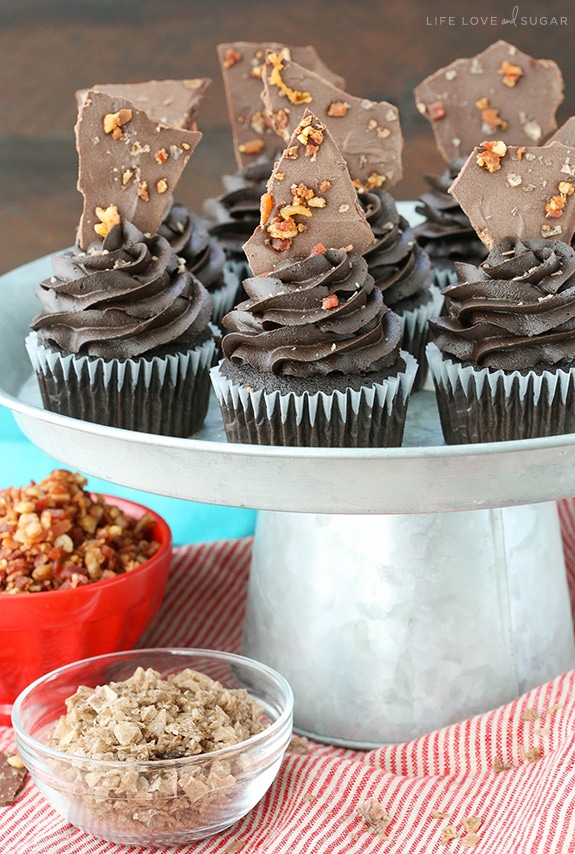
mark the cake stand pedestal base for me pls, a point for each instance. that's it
(390, 626)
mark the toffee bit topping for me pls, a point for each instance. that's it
(337, 109)
(447, 834)
(275, 79)
(113, 122)
(252, 146)
(375, 816)
(162, 186)
(435, 111)
(143, 192)
(554, 207)
(161, 156)
(490, 154)
(266, 207)
(109, 217)
(490, 115)
(231, 57)
(510, 73)
(472, 823)
(499, 765)
(374, 180)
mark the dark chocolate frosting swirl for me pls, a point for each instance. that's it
(316, 317)
(189, 239)
(398, 265)
(516, 311)
(235, 214)
(127, 295)
(446, 233)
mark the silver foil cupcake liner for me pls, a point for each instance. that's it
(486, 405)
(373, 416)
(165, 394)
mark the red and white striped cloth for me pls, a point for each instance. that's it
(500, 783)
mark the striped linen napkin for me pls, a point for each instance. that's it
(500, 783)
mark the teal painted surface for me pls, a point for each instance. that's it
(191, 522)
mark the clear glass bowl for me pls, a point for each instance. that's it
(163, 802)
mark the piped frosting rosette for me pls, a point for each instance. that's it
(500, 93)
(503, 356)
(401, 270)
(124, 336)
(120, 322)
(312, 357)
(203, 256)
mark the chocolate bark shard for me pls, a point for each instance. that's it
(173, 102)
(564, 134)
(367, 133)
(12, 778)
(501, 93)
(529, 193)
(241, 64)
(128, 161)
(310, 200)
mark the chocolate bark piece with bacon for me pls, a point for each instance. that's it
(173, 102)
(525, 191)
(129, 165)
(501, 93)
(367, 133)
(310, 201)
(242, 65)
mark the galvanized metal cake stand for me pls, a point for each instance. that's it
(397, 590)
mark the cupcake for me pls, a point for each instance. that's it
(202, 255)
(312, 357)
(401, 270)
(123, 338)
(368, 134)
(501, 93)
(176, 103)
(503, 356)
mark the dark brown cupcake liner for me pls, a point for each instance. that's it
(371, 417)
(485, 405)
(166, 395)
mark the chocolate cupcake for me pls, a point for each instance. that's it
(401, 270)
(313, 357)
(188, 236)
(124, 337)
(446, 233)
(501, 93)
(503, 356)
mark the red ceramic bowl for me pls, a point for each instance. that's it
(42, 631)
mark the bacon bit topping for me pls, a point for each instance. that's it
(113, 122)
(280, 244)
(436, 111)
(556, 204)
(337, 109)
(318, 249)
(511, 73)
(374, 180)
(252, 146)
(266, 206)
(109, 217)
(330, 302)
(161, 156)
(231, 56)
(143, 192)
(490, 115)
(275, 79)
(490, 154)
(324, 186)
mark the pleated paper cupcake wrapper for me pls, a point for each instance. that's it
(415, 334)
(373, 416)
(485, 405)
(166, 395)
(224, 297)
(441, 278)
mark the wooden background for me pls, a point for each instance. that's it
(50, 48)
